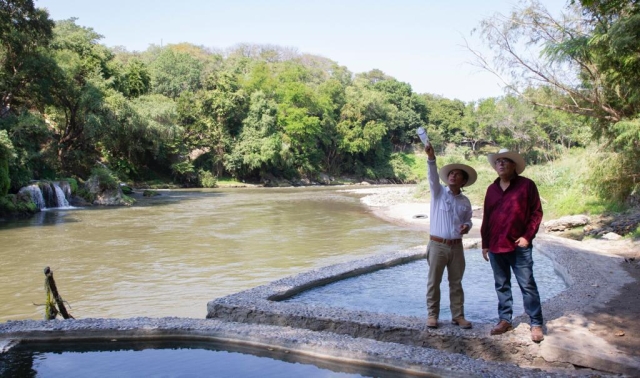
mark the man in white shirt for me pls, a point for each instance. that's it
(450, 218)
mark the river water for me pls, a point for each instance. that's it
(170, 255)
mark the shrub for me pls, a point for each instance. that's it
(106, 178)
(73, 184)
(402, 165)
(7, 153)
(12, 205)
(85, 194)
(612, 175)
(184, 171)
(126, 189)
(207, 179)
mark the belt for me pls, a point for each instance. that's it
(445, 241)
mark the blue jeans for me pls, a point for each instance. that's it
(521, 262)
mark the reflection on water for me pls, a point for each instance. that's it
(170, 255)
(402, 290)
(162, 359)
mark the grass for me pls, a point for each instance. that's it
(224, 182)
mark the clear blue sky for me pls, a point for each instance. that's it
(416, 41)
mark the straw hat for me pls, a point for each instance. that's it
(513, 156)
(444, 173)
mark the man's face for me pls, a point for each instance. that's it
(505, 167)
(456, 177)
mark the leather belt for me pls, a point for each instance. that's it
(448, 242)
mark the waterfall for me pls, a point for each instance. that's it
(48, 194)
(61, 199)
(36, 195)
(66, 188)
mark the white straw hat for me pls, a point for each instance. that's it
(513, 156)
(444, 173)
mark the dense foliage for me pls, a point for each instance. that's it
(192, 115)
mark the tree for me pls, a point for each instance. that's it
(408, 111)
(445, 118)
(137, 79)
(80, 79)
(138, 134)
(211, 118)
(298, 119)
(363, 120)
(478, 122)
(174, 72)
(257, 149)
(515, 125)
(331, 99)
(590, 55)
(28, 133)
(24, 32)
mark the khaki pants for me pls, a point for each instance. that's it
(440, 256)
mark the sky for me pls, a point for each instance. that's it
(420, 42)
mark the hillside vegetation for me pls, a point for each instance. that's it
(193, 116)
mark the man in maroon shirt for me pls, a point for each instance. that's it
(512, 216)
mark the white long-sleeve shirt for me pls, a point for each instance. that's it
(448, 210)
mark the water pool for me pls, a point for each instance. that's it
(168, 359)
(402, 289)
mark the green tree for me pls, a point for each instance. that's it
(363, 120)
(445, 118)
(211, 118)
(478, 123)
(80, 80)
(516, 125)
(28, 133)
(25, 31)
(137, 79)
(258, 146)
(298, 120)
(174, 72)
(408, 111)
(331, 99)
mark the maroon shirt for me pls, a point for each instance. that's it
(510, 214)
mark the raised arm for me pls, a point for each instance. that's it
(432, 171)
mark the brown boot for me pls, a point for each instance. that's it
(432, 322)
(502, 327)
(536, 334)
(461, 322)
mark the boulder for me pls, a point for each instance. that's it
(105, 195)
(611, 236)
(565, 223)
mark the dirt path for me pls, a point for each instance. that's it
(618, 321)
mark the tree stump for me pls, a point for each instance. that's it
(51, 312)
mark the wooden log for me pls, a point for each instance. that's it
(51, 284)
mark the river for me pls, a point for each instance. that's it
(169, 255)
